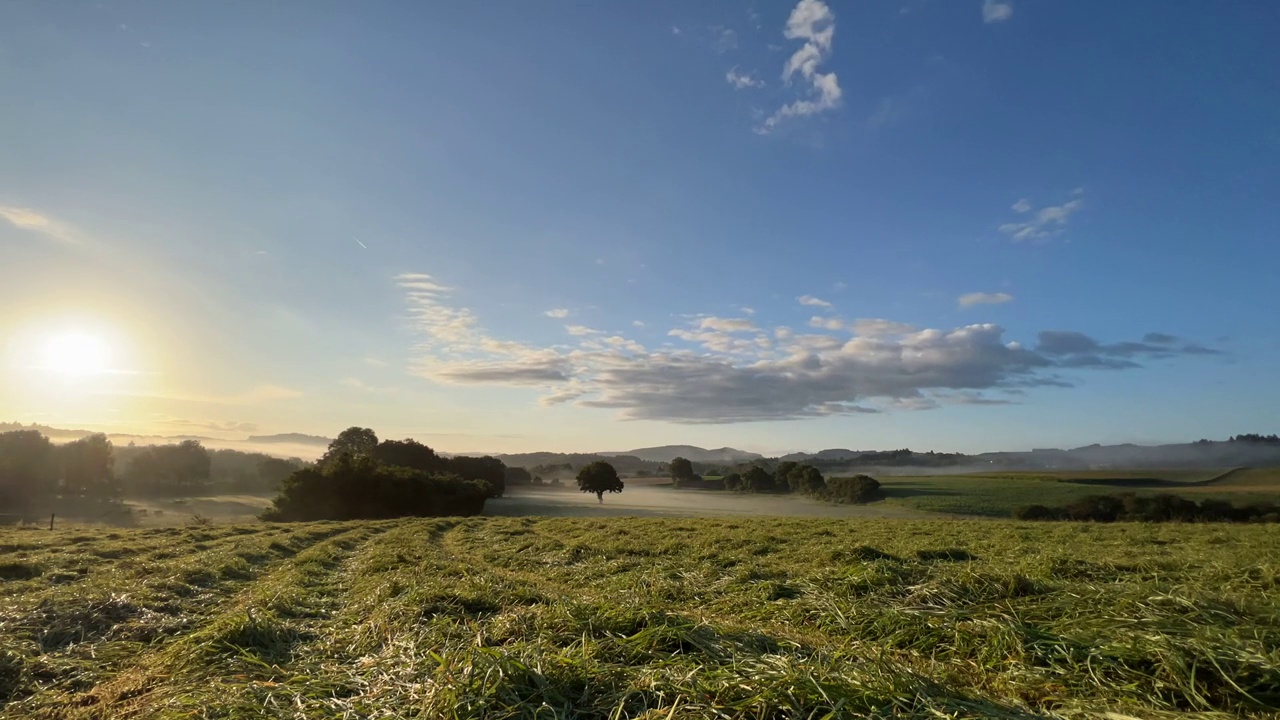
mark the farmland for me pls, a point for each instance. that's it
(628, 617)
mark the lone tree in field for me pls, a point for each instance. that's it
(599, 477)
(681, 471)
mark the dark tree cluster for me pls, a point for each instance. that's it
(34, 471)
(1256, 439)
(1158, 508)
(803, 479)
(361, 478)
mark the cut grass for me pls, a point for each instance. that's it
(637, 617)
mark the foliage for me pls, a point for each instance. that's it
(87, 467)
(519, 476)
(856, 489)
(354, 441)
(730, 618)
(681, 472)
(599, 477)
(757, 480)
(1159, 508)
(359, 487)
(28, 469)
(176, 470)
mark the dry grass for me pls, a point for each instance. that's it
(638, 617)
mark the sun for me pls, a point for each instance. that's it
(77, 355)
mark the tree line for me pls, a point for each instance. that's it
(361, 477)
(1157, 508)
(36, 473)
(784, 477)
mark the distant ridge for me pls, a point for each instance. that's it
(298, 438)
(667, 453)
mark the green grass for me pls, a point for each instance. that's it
(999, 494)
(637, 617)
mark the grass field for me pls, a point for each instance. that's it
(999, 494)
(639, 617)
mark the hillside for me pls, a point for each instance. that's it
(730, 619)
(667, 453)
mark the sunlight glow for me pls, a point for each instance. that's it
(77, 355)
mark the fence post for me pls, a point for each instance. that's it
(51, 515)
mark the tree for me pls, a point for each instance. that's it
(520, 476)
(758, 480)
(681, 471)
(28, 469)
(489, 469)
(782, 475)
(86, 467)
(181, 469)
(732, 481)
(273, 471)
(354, 441)
(599, 477)
(408, 453)
(856, 489)
(806, 479)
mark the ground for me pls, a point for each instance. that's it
(736, 617)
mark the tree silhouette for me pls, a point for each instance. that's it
(681, 471)
(354, 441)
(599, 477)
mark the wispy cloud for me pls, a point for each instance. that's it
(728, 370)
(980, 298)
(813, 301)
(1045, 222)
(743, 81)
(36, 222)
(994, 11)
(557, 313)
(814, 23)
(581, 330)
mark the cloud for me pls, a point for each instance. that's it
(727, 370)
(812, 301)
(728, 325)
(359, 384)
(979, 298)
(638, 323)
(814, 23)
(994, 11)
(675, 30)
(557, 313)
(724, 39)
(747, 311)
(580, 330)
(33, 221)
(742, 81)
(375, 362)
(877, 327)
(1045, 222)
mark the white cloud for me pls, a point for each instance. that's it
(1045, 222)
(580, 330)
(730, 371)
(826, 323)
(557, 313)
(979, 298)
(726, 324)
(813, 301)
(814, 23)
(724, 39)
(742, 81)
(994, 11)
(675, 30)
(877, 327)
(32, 221)
(747, 311)
(638, 323)
(375, 362)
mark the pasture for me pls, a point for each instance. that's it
(733, 617)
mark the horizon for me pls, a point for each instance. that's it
(978, 226)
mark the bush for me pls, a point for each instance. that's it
(1160, 508)
(1034, 512)
(857, 489)
(359, 488)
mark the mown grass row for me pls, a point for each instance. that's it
(628, 617)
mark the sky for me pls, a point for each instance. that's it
(960, 225)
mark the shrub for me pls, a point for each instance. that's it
(1034, 512)
(857, 489)
(358, 488)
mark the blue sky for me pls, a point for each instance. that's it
(571, 226)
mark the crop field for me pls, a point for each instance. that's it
(641, 617)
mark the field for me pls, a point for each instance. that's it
(999, 494)
(641, 617)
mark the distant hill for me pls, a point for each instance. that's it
(294, 438)
(831, 454)
(667, 453)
